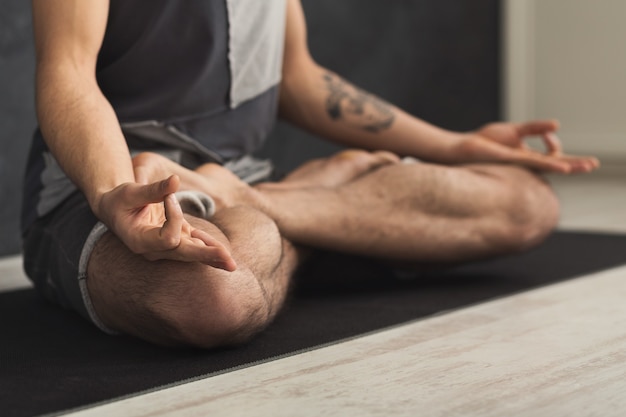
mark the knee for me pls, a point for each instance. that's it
(212, 307)
(532, 213)
(183, 303)
(228, 313)
(208, 309)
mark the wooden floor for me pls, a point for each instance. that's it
(555, 351)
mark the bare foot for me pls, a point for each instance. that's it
(338, 169)
(226, 189)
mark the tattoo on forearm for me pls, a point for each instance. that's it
(349, 103)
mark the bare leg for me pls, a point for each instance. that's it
(405, 212)
(338, 169)
(420, 212)
(222, 185)
(400, 212)
(228, 190)
(177, 303)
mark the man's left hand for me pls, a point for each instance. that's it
(506, 143)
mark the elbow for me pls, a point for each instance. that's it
(298, 88)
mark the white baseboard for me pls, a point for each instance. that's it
(11, 274)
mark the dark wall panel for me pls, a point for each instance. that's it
(437, 59)
(17, 119)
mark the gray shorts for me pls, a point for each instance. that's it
(57, 247)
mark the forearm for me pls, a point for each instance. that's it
(82, 131)
(323, 103)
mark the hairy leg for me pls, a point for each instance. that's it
(420, 212)
(338, 169)
(404, 212)
(177, 303)
(226, 189)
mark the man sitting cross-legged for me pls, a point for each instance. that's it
(358, 202)
(203, 81)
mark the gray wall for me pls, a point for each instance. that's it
(17, 117)
(435, 58)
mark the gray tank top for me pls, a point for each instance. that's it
(201, 75)
(207, 67)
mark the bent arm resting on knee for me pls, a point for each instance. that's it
(320, 101)
(81, 129)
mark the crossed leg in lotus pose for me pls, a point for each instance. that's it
(355, 202)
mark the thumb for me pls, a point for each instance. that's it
(154, 192)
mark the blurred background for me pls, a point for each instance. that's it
(566, 59)
(455, 63)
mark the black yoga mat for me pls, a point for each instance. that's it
(51, 360)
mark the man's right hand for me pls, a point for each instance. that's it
(150, 222)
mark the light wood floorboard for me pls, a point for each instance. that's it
(547, 352)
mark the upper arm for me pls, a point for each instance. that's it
(69, 32)
(296, 49)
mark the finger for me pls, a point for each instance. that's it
(593, 162)
(195, 250)
(386, 157)
(520, 156)
(582, 164)
(553, 143)
(206, 238)
(154, 192)
(537, 127)
(547, 165)
(221, 255)
(159, 237)
(539, 161)
(564, 164)
(170, 233)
